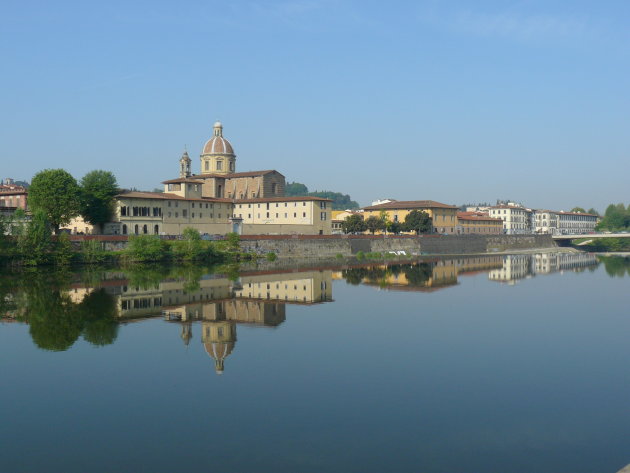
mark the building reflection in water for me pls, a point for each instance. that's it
(219, 304)
(434, 274)
(427, 275)
(516, 267)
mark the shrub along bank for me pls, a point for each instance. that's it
(31, 243)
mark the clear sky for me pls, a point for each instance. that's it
(454, 101)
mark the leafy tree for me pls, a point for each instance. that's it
(146, 248)
(578, 209)
(593, 211)
(419, 222)
(295, 189)
(340, 201)
(98, 189)
(35, 239)
(395, 227)
(353, 224)
(374, 224)
(63, 250)
(56, 193)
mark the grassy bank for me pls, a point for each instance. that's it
(25, 251)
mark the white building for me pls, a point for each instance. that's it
(564, 223)
(516, 220)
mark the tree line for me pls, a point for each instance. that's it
(415, 221)
(616, 217)
(340, 201)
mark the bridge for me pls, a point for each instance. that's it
(591, 236)
(565, 240)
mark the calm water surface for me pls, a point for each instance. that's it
(487, 364)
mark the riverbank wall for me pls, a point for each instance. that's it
(331, 246)
(318, 246)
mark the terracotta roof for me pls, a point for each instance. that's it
(411, 204)
(509, 207)
(235, 174)
(217, 145)
(182, 179)
(478, 218)
(306, 198)
(167, 196)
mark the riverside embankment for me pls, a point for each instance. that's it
(331, 246)
(327, 246)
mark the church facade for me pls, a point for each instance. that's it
(219, 200)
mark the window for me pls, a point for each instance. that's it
(322, 216)
(176, 214)
(219, 165)
(193, 215)
(207, 165)
(267, 214)
(184, 213)
(193, 205)
(294, 215)
(303, 214)
(303, 204)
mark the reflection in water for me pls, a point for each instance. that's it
(60, 308)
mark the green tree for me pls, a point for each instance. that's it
(374, 224)
(295, 189)
(419, 222)
(593, 211)
(578, 209)
(34, 239)
(98, 189)
(144, 248)
(63, 250)
(56, 193)
(395, 227)
(340, 201)
(353, 224)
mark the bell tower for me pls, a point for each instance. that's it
(184, 165)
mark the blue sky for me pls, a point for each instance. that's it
(451, 101)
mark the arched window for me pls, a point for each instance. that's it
(145, 230)
(136, 230)
(156, 230)
(124, 229)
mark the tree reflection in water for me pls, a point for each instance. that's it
(416, 274)
(616, 266)
(56, 319)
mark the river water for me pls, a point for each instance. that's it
(483, 364)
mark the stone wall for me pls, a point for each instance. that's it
(327, 247)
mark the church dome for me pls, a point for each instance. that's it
(219, 351)
(217, 144)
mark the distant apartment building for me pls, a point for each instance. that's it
(444, 216)
(517, 220)
(13, 196)
(564, 223)
(478, 223)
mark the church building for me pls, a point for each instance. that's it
(219, 200)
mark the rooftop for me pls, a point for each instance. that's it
(411, 204)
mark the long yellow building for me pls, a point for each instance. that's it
(444, 216)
